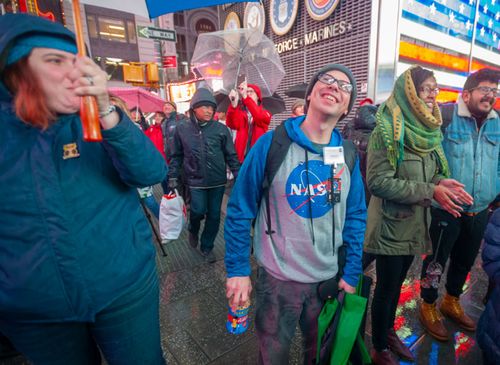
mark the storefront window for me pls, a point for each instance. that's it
(179, 19)
(6, 6)
(92, 26)
(131, 32)
(112, 30)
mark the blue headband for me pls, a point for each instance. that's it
(23, 46)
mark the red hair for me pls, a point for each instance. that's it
(29, 99)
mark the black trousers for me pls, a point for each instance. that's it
(391, 273)
(460, 242)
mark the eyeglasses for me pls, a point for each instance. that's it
(330, 80)
(429, 90)
(485, 90)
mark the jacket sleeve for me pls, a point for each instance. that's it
(243, 207)
(136, 169)
(177, 155)
(230, 153)
(491, 250)
(382, 180)
(235, 118)
(354, 227)
(498, 173)
(261, 117)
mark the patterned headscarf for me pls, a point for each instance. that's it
(404, 120)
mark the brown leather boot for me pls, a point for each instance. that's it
(450, 307)
(398, 347)
(384, 357)
(433, 321)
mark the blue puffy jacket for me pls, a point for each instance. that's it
(488, 331)
(73, 236)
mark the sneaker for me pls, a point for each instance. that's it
(193, 240)
(432, 321)
(208, 255)
(398, 347)
(451, 308)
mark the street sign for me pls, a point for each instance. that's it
(157, 33)
(170, 61)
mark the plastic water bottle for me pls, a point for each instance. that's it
(237, 321)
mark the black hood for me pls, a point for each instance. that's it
(203, 96)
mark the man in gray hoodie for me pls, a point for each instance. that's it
(301, 250)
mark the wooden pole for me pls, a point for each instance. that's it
(89, 113)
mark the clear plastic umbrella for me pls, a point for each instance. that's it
(220, 57)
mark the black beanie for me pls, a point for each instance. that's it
(203, 97)
(331, 67)
(419, 75)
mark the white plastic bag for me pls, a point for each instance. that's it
(173, 216)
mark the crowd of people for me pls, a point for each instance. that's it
(77, 270)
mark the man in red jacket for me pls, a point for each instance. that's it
(248, 118)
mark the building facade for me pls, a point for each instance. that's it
(309, 34)
(376, 39)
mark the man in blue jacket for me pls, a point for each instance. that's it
(472, 147)
(302, 250)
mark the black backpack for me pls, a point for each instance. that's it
(359, 131)
(446, 114)
(280, 144)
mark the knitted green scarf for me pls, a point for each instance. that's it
(404, 120)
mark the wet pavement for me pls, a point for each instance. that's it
(193, 312)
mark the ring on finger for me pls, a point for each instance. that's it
(90, 80)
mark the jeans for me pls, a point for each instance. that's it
(391, 273)
(153, 206)
(460, 241)
(280, 305)
(206, 203)
(127, 332)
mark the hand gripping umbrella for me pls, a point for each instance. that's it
(225, 55)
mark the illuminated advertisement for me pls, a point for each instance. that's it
(182, 92)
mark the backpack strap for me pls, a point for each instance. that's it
(350, 154)
(280, 144)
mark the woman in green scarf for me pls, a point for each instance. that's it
(406, 169)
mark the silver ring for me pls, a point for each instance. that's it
(90, 80)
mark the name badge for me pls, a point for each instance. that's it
(333, 155)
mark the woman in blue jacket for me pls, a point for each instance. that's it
(77, 269)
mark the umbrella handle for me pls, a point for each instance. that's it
(89, 113)
(237, 74)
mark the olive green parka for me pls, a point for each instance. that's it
(399, 209)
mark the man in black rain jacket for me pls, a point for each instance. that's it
(202, 147)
